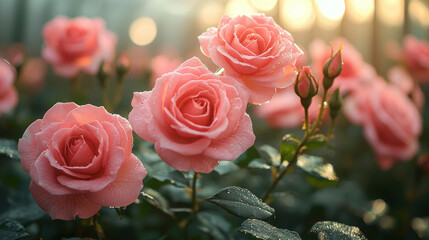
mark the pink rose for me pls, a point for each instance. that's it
(8, 94)
(32, 75)
(195, 118)
(391, 122)
(354, 71)
(285, 109)
(79, 159)
(79, 44)
(162, 64)
(416, 56)
(400, 79)
(254, 50)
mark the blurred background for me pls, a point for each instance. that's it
(164, 33)
(154, 25)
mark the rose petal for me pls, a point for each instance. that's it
(65, 207)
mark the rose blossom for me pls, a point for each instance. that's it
(354, 69)
(8, 94)
(254, 50)
(400, 79)
(79, 159)
(195, 118)
(79, 44)
(285, 109)
(391, 122)
(416, 56)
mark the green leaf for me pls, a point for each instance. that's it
(315, 142)
(155, 199)
(248, 156)
(288, 147)
(336, 231)
(10, 229)
(242, 203)
(265, 231)
(9, 148)
(226, 167)
(213, 225)
(270, 155)
(24, 213)
(259, 164)
(319, 174)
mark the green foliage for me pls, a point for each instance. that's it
(248, 156)
(10, 229)
(155, 199)
(242, 203)
(226, 167)
(9, 148)
(270, 155)
(120, 211)
(336, 231)
(264, 231)
(319, 174)
(288, 147)
(315, 142)
(212, 225)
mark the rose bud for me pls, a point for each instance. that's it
(332, 69)
(306, 86)
(122, 65)
(103, 74)
(335, 103)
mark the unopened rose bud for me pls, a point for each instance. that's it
(335, 104)
(122, 65)
(332, 69)
(306, 86)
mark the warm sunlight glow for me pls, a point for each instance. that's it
(264, 5)
(209, 14)
(419, 12)
(297, 15)
(238, 7)
(142, 31)
(360, 10)
(332, 9)
(391, 11)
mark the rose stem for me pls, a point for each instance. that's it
(298, 150)
(118, 92)
(194, 194)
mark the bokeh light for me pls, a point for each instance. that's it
(239, 7)
(264, 5)
(419, 12)
(297, 15)
(391, 11)
(332, 9)
(360, 11)
(143, 31)
(210, 14)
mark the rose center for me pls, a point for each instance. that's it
(254, 42)
(78, 151)
(197, 110)
(77, 42)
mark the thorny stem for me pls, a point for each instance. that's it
(307, 122)
(194, 194)
(298, 149)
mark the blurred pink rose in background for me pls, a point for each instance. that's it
(401, 79)
(8, 94)
(139, 60)
(162, 64)
(416, 57)
(79, 159)
(32, 75)
(285, 109)
(391, 122)
(354, 72)
(195, 118)
(254, 50)
(79, 44)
